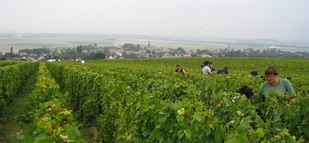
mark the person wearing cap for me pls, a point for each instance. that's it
(274, 83)
(180, 70)
(206, 70)
(224, 70)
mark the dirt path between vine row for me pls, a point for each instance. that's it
(14, 119)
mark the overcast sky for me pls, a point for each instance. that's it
(250, 19)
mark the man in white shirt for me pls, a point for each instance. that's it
(206, 70)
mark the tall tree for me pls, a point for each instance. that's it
(11, 50)
(181, 50)
(79, 49)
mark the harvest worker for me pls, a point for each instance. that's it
(224, 70)
(253, 74)
(202, 65)
(212, 67)
(180, 70)
(206, 70)
(246, 91)
(274, 83)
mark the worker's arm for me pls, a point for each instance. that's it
(184, 72)
(212, 72)
(289, 88)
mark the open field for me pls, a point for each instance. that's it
(173, 44)
(62, 43)
(17, 44)
(5, 44)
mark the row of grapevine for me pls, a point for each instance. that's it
(12, 78)
(297, 69)
(51, 122)
(140, 104)
(2, 64)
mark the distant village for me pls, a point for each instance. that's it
(136, 51)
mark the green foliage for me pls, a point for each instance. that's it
(46, 87)
(146, 101)
(38, 51)
(95, 56)
(51, 122)
(7, 63)
(79, 49)
(12, 76)
(131, 47)
(181, 50)
(130, 55)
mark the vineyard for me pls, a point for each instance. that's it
(147, 101)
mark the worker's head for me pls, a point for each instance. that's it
(225, 68)
(247, 91)
(253, 73)
(207, 63)
(271, 74)
(178, 66)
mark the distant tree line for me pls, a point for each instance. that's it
(92, 52)
(131, 47)
(39, 51)
(250, 52)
